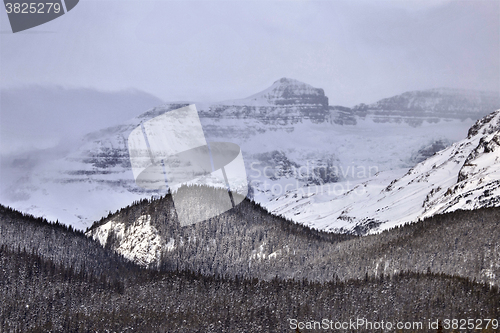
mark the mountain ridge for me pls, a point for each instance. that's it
(436, 102)
(248, 241)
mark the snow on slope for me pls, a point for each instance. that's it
(140, 242)
(465, 175)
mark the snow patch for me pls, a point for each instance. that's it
(139, 242)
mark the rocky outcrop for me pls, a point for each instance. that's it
(287, 91)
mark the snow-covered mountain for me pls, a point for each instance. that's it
(465, 175)
(290, 139)
(286, 101)
(285, 91)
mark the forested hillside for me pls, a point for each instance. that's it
(37, 295)
(58, 243)
(248, 241)
(53, 278)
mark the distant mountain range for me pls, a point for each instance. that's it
(291, 138)
(432, 104)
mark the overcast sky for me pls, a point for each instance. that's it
(202, 51)
(358, 51)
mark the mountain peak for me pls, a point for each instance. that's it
(290, 82)
(286, 92)
(486, 125)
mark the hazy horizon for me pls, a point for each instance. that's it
(357, 51)
(209, 51)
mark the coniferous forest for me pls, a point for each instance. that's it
(56, 279)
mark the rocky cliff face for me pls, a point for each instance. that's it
(284, 92)
(285, 101)
(289, 92)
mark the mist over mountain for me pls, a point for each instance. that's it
(38, 117)
(291, 138)
(285, 91)
(433, 103)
